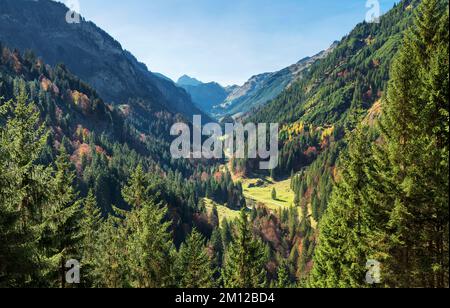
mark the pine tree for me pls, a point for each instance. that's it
(245, 259)
(24, 191)
(274, 194)
(342, 253)
(90, 224)
(149, 244)
(61, 232)
(410, 183)
(193, 264)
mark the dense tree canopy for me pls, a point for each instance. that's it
(364, 140)
(392, 202)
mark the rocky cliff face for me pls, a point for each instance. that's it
(89, 52)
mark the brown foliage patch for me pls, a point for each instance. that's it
(81, 100)
(311, 151)
(48, 86)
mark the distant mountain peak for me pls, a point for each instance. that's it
(262, 88)
(186, 80)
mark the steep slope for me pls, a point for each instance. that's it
(352, 76)
(262, 88)
(335, 94)
(88, 52)
(204, 95)
(235, 100)
(315, 113)
(105, 146)
(162, 76)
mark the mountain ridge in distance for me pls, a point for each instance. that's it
(90, 53)
(186, 80)
(236, 100)
(262, 88)
(206, 96)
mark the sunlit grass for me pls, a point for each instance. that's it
(224, 212)
(263, 193)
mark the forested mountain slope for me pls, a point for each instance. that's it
(364, 143)
(315, 113)
(337, 92)
(90, 53)
(390, 207)
(376, 179)
(235, 101)
(104, 145)
(93, 187)
(353, 76)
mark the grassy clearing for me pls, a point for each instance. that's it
(260, 194)
(224, 212)
(263, 193)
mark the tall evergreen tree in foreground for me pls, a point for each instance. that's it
(217, 249)
(25, 192)
(149, 246)
(411, 182)
(90, 224)
(392, 206)
(343, 250)
(61, 233)
(245, 259)
(109, 265)
(193, 264)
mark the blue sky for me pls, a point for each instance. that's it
(226, 41)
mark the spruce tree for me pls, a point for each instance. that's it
(283, 279)
(90, 224)
(149, 243)
(60, 226)
(216, 246)
(25, 192)
(343, 251)
(109, 264)
(193, 264)
(411, 183)
(214, 217)
(226, 233)
(245, 259)
(9, 236)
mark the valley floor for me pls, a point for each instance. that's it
(258, 191)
